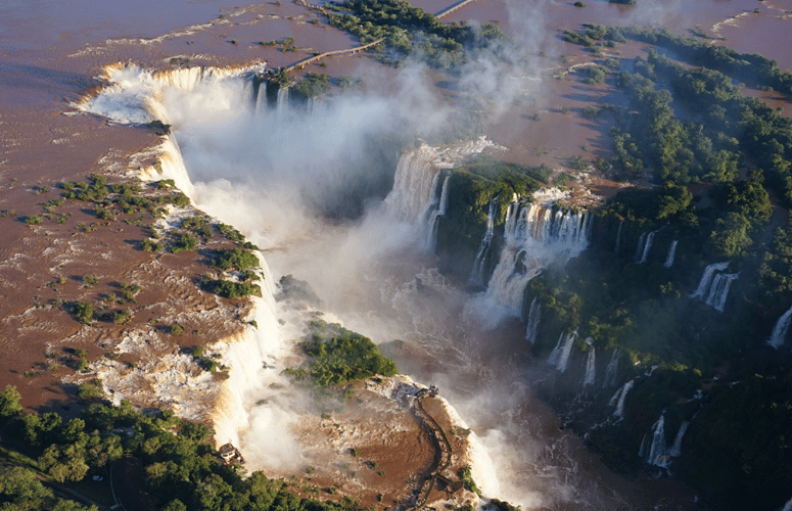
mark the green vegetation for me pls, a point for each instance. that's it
(235, 259)
(84, 311)
(175, 330)
(340, 356)
(185, 242)
(229, 289)
(412, 31)
(313, 85)
(182, 469)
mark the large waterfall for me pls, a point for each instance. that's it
(559, 357)
(534, 317)
(477, 274)
(657, 452)
(620, 397)
(780, 330)
(714, 286)
(418, 196)
(537, 234)
(647, 247)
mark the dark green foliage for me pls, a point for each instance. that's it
(150, 246)
(595, 75)
(84, 311)
(20, 490)
(91, 391)
(229, 289)
(185, 243)
(313, 85)
(299, 290)
(340, 356)
(738, 446)
(466, 476)
(410, 30)
(175, 330)
(9, 403)
(235, 259)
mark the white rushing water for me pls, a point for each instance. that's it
(477, 274)
(537, 234)
(669, 262)
(248, 171)
(620, 398)
(559, 357)
(534, 317)
(612, 370)
(713, 288)
(778, 337)
(647, 247)
(639, 249)
(656, 452)
(591, 366)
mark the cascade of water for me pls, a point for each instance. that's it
(639, 248)
(622, 398)
(706, 279)
(658, 453)
(477, 275)
(788, 505)
(669, 262)
(591, 367)
(534, 316)
(619, 238)
(566, 349)
(647, 247)
(676, 449)
(436, 209)
(536, 235)
(719, 290)
(282, 105)
(780, 330)
(553, 358)
(611, 372)
(658, 449)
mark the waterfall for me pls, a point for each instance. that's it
(619, 238)
(534, 316)
(477, 275)
(611, 372)
(781, 329)
(436, 209)
(713, 288)
(282, 105)
(658, 448)
(622, 397)
(591, 367)
(719, 290)
(536, 235)
(414, 197)
(559, 357)
(788, 506)
(669, 262)
(639, 248)
(647, 247)
(659, 454)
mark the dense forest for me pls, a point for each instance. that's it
(718, 161)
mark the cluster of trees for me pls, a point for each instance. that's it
(181, 468)
(471, 190)
(412, 31)
(340, 356)
(715, 172)
(311, 86)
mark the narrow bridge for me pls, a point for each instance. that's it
(351, 51)
(453, 8)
